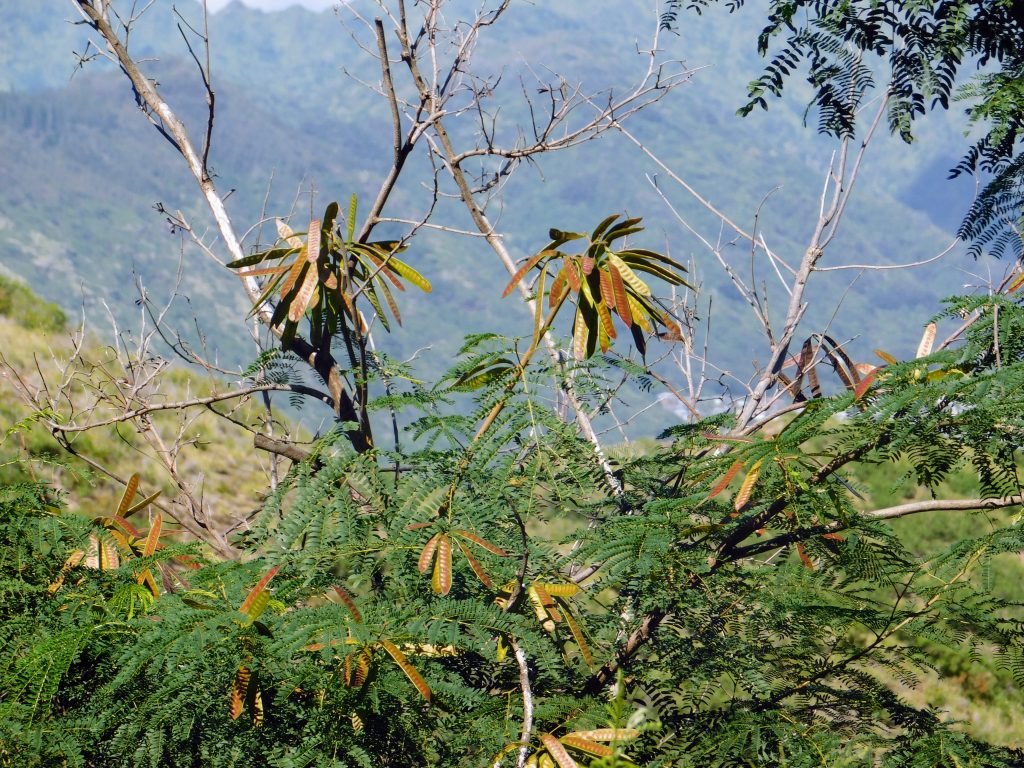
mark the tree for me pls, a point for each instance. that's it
(919, 51)
(500, 592)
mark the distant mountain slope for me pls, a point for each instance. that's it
(85, 170)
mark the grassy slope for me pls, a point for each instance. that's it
(223, 464)
(971, 688)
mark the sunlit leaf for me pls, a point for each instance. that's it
(477, 569)
(441, 582)
(258, 588)
(563, 590)
(629, 276)
(577, 635)
(407, 668)
(141, 505)
(428, 553)
(526, 267)
(587, 746)
(410, 274)
(557, 751)
(480, 542)
(239, 689)
(347, 600)
(865, 384)
(747, 487)
(128, 495)
(621, 299)
(546, 600)
(727, 478)
(608, 734)
(927, 340)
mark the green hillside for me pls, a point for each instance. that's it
(87, 171)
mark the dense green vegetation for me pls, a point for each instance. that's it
(780, 619)
(457, 570)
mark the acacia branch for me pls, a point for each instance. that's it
(939, 505)
(178, 405)
(320, 360)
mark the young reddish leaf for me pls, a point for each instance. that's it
(298, 305)
(239, 688)
(726, 438)
(743, 495)
(813, 382)
(428, 553)
(607, 292)
(362, 667)
(405, 666)
(554, 746)
(480, 542)
(128, 495)
(803, 555)
(530, 264)
(75, 558)
(292, 277)
(886, 357)
(538, 306)
(865, 384)
(313, 241)
(673, 331)
(287, 234)
(640, 315)
(418, 526)
(102, 555)
(346, 675)
(442, 578)
(258, 588)
(153, 539)
(604, 313)
(477, 569)
(546, 600)
(587, 746)
(621, 297)
(577, 635)
(384, 270)
(392, 304)
(558, 287)
(130, 529)
(604, 342)
(927, 340)
(629, 276)
(588, 265)
(539, 609)
(572, 274)
(279, 269)
(146, 578)
(833, 537)
(271, 254)
(346, 598)
(727, 478)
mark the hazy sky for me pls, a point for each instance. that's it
(276, 5)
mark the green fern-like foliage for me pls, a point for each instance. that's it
(923, 48)
(732, 604)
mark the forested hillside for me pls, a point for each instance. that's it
(92, 214)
